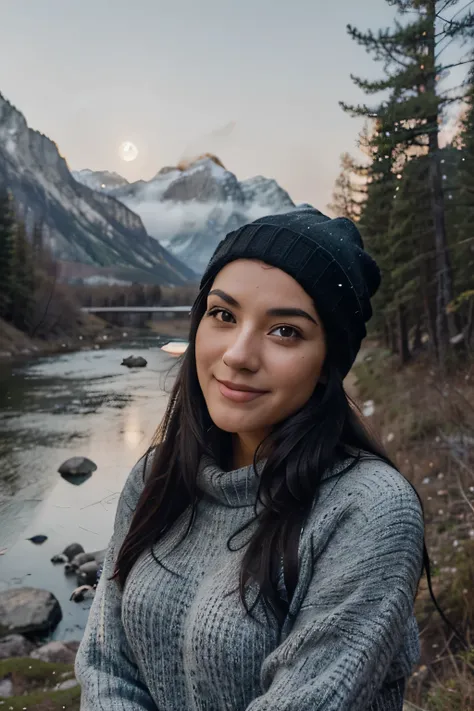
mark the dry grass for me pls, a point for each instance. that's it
(427, 425)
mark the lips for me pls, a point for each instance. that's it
(239, 393)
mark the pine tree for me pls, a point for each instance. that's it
(7, 229)
(463, 216)
(23, 281)
(412, 256)
(37, 242)
(349, 192)
(375, 221)
(413, 58)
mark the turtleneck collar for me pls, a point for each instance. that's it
(238, 488)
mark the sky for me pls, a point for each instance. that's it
(255, 81)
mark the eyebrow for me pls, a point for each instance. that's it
(281, 311)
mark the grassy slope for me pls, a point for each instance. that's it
(34, 685)
(426, 422)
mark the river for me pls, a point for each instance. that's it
(53, 408)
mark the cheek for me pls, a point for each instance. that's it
(207, 352)
(297, 378)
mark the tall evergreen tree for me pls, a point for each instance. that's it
(375, 220)
(23, 282)
(349, 192)
(462, 219)
(7, 235)
(412, 255)
(37, 242)
(413, 55)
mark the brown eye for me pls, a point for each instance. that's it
(221, 315)
(286, 332)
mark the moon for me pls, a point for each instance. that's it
(128, 151)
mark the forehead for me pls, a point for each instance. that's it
(250, 279)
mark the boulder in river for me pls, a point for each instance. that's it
(134, 362)
(14, 645)
(68, 553)
(28, 611)
(77, 466)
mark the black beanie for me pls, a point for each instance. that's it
(325, 256)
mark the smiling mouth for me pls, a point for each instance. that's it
(239, 393)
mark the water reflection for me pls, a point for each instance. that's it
(83, 404)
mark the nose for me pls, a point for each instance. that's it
(243, 351)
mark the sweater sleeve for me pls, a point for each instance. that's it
(351, 622)
(105, 666)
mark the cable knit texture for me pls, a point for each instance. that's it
(178, 638)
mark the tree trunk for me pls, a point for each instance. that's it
(428, 294)
(469, 329)
(417, 342)
(386, 333)
(393, 336)
(444, 285)
(403, 347)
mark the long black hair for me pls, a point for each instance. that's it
(328, 430)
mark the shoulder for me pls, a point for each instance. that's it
(135, 482)
(369, 498)
(374, 483)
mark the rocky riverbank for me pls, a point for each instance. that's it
(94, 333)
(35, 674)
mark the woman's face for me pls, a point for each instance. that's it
(260, 348)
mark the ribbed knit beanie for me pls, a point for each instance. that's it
(325, 256)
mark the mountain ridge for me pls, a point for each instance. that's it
(80, 224)
(190, 207)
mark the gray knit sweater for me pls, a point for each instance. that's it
(183, 642)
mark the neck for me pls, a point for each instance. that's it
(244, 448)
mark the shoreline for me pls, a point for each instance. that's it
(20, 347)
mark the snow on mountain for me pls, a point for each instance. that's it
(82, 225)
(101, 180)
(265, 192)
(190, 208)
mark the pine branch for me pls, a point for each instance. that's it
(459, 28)
(360, 110)
(372, 87)
(457, 64)
(384, 45)
(450, 22)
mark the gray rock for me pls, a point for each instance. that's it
(55, 652)
(6, 688)
(81, 558)
(77, 466)
(14, 645)
(134, 362)
(68, 553)
(28, 611)
(87, 573)
(68, 684)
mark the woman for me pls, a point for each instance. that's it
(266, 554)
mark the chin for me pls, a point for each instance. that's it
(235, 422)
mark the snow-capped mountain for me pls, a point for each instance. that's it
(191, 207)
(82, 225)
(101, 180)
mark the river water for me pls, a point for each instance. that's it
(78, 404)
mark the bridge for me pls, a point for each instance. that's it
(135, 309)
